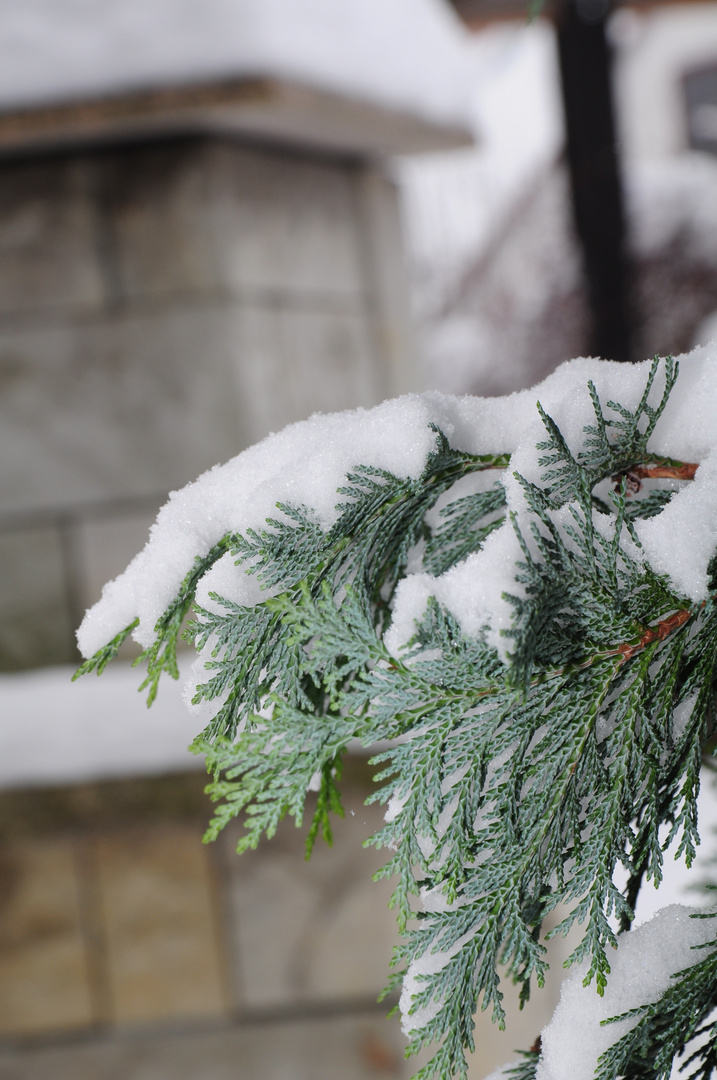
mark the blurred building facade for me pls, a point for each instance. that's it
(164, 304)
(198, 245)
(186, 264)
(502, 315)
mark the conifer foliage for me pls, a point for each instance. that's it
(516, 780)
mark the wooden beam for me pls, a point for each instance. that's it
(258, 108)
(591, 150)
(477, 14)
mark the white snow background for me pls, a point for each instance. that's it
(54, 731)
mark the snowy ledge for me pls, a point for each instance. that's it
(110, 66)
(54, 731)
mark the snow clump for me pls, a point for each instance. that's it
(642, 968)
(305, 464)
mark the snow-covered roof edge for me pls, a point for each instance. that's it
(410, 57)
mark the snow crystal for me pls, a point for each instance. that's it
(642, 967)
(306, 463)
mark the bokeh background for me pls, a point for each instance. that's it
(215, 219)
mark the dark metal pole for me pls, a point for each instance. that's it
(593, 162)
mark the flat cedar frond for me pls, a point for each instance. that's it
(253, 652)
(512, 785)
(103, 656)
(161, 657)
(466, 523)
(525, 1069)
(286, 552)
(614, 443)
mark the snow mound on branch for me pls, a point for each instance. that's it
(305, 464)
(642, 970)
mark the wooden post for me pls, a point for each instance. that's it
(593, 162)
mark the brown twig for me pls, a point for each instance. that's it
(659, 632)
(661, 471)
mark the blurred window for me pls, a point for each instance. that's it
(700, 89)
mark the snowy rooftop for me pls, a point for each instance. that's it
(406, 57)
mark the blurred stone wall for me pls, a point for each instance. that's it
(127, 949)
(162, 306)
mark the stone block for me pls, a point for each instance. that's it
(312, 932)
(387, 277)
(132, 406)
(285, 223)
(36, 622)
(158, 218)
(49, 258)
(107, 543)
(158, 918)
(292, 362)
(44, 983)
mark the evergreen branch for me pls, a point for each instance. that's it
(613, 446)
(660, 632)
(108, 652)
(527, 1068)
(665, 469)
(465, 525)
(510, 787)
(161, 656)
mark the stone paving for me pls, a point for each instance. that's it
(130, 951)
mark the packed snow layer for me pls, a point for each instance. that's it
(305, 464)
(53, 731)
(404, 54)
(642, 970)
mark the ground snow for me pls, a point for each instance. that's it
(55, 732)
(642, 967)
(403, 54)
